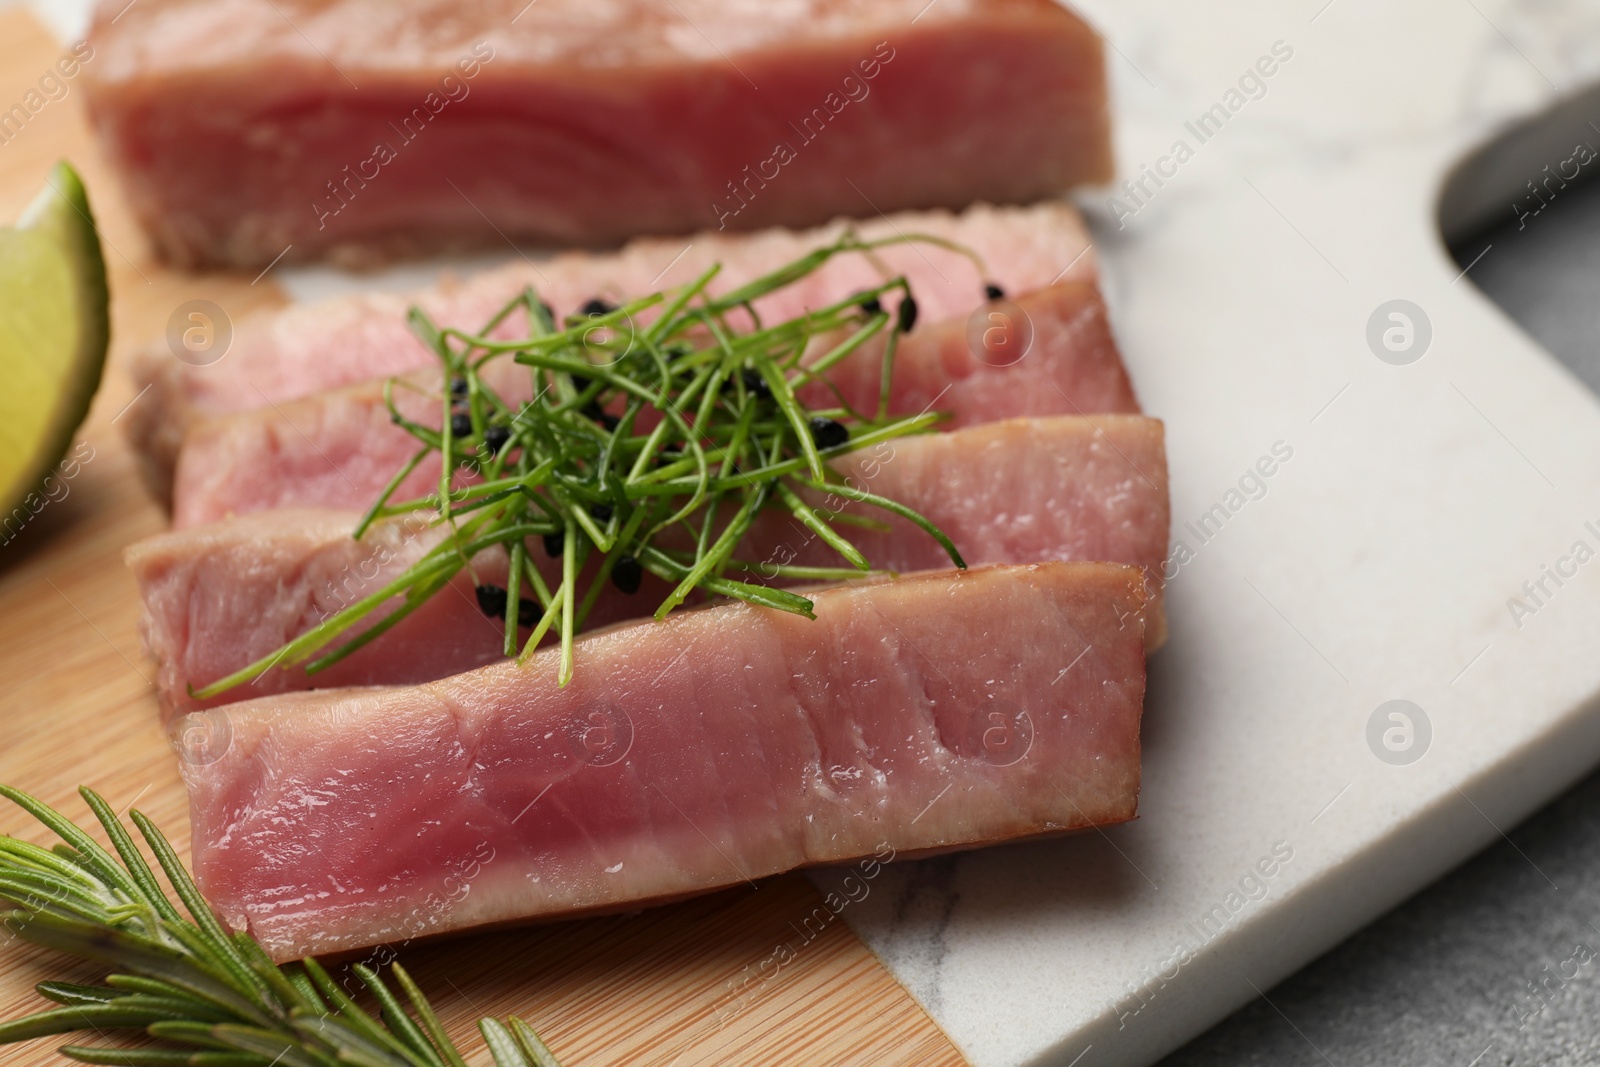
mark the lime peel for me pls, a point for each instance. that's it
(55, 327)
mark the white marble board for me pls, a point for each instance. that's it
(1378, 564)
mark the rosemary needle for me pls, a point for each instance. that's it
(205, 995)
(693, 421)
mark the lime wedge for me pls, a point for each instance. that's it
(54, 328)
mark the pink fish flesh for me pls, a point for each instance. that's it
(339, 449)
(280, 355)
(365, 128)
(219, 597)
(939, 711)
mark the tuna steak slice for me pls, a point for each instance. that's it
(576, 123)
(220, 597)
(300, 350)
(940, 711)
(339, 449)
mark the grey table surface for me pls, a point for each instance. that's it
(1497, 963)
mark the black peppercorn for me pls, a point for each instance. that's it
(908, 313)
(756, 384)
(994, 292)
(828, 433)
(871, 305)
(601, 512)
(492, 601)
(496, 437)
(597, 306)
(460, 424)
(626, 574)
(553, 543)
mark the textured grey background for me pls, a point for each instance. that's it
(1448, 978)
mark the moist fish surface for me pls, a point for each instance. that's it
(246, 130)
(715, 747)
(219, 597)
(1050, 352)
(279, 355)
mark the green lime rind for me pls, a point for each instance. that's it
(55, 327)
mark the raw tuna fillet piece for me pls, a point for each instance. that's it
(361, 128)
(220, 597)
(300, 350)
(939, 711)
(339, 449)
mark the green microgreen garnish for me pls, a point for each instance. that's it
(638, 441)
(207, 996)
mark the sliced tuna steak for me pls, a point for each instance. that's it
(220, 597)
(280, 355)
(366, 127)
(339, 449)
(940, 711)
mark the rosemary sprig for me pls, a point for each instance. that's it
(637, 443)
(207, 996)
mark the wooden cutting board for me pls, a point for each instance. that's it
(77, 706)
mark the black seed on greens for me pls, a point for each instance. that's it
(492, 601)
(755, 383)
(908, 313)
(626, 574)
(828, 433)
